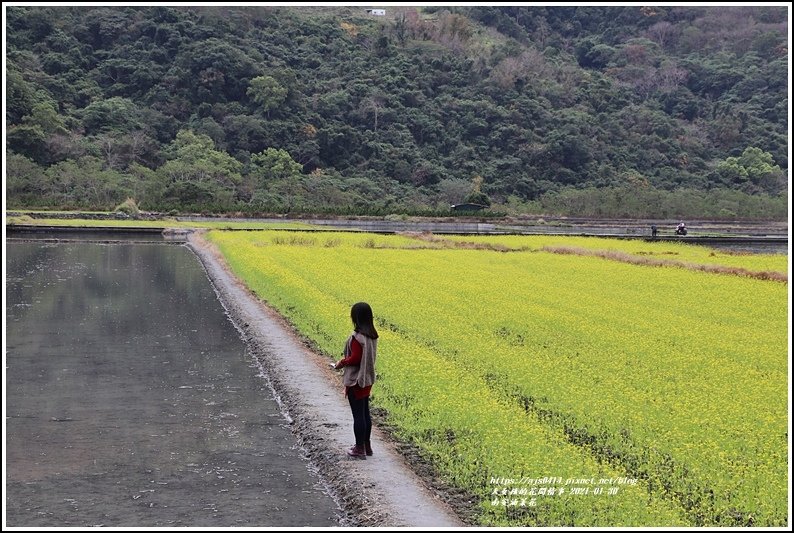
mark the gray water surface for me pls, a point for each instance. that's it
(131, 399)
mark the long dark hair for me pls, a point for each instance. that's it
(361, 313)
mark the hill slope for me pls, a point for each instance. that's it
(263, 108)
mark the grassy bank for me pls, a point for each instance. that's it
(164, 223)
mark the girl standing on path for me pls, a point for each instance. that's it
(359, 364)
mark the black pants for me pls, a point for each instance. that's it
(362, 422)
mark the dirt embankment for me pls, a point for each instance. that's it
(379, 491)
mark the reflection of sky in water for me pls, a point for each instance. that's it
(122, 368)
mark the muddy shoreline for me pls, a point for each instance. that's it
(380, 491)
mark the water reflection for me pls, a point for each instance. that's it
(131, 400)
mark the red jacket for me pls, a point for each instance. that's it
(354, 359)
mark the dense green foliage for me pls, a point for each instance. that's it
(327, 109)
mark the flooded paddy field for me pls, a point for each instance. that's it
(131, 399)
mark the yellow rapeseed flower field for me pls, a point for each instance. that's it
(557, 390)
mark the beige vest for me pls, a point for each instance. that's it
(364, 374)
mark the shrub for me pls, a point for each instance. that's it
(128, 207)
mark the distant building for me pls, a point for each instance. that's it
(376, 12)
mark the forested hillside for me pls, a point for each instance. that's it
(620, 111)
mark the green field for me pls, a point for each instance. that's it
(526, 364)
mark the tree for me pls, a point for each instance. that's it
(28, 140)
(267, 92)
(280, 183)
(453, 191)
(120, 149)
(373, 105)
(593, 54)
(274, 165)
(219, 71)
(26, 183)
(84, 183)
(19, 97)
(661, 32)
(399, 26)
(31, 135)
(114, 113)
(197, 173)
(754, 169)
(476, 196)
